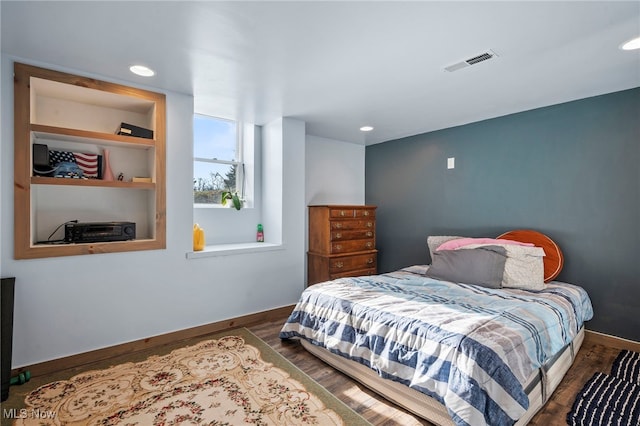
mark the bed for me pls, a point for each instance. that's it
(453, 351)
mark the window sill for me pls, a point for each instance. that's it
(234, 249)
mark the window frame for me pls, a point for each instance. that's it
(238, 162)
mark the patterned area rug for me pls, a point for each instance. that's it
(610, 399)
(223, 381)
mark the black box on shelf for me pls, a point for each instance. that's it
(99, 232)
(131, 130)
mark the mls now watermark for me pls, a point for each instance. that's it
(28, 413)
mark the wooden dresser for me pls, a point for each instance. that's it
(342, 242)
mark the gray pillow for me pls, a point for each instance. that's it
(435, 241)
(483, 266)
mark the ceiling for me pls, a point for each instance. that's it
(341, 65)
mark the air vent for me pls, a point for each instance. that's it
(479, 58)
(484, 56)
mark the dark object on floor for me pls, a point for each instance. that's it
(7, 287)
(627, 366)
(610, 399)
(21, 378)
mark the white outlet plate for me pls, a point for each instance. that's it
(451, 163)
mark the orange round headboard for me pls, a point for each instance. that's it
(553, 259)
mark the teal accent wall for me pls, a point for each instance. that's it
(571, 171)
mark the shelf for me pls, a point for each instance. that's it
(54, 250)
(85, 136)
(80, 114)
(233, 249)
(40, 180)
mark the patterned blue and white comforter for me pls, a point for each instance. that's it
(471, 348)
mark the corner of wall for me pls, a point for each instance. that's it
(283, 171)
(272, 180)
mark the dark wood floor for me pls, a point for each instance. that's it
(595, 355)
(592, 357)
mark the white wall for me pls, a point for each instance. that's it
(334, 171)
(75, 304)
(273, 180)
(334, 175)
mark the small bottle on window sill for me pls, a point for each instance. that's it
(260, 234)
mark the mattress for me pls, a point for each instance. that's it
(540, 384)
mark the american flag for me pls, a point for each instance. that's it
(90, 164)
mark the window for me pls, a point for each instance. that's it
(217, 159)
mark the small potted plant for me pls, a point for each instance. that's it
(234, 198)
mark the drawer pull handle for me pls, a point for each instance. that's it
(366, 213)
(369, 234)
(338, 246)
(338, 265)
(342, 213)
(369, 224)
(338, 225)
(369, 244)
(339, 235)
(370, 261)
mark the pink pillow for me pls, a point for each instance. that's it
(461, 242)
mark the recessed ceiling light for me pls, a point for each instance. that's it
(366, 128)
(142, 70)
(632, 44)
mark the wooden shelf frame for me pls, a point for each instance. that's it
(41, 180)
(24, 131)
(85, 136)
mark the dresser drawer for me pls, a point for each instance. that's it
(357, 273)
(352, 212)
(352, 246)
(352, 224)
(327, 267)
(358, 234)
(351, 263)
(365, 213)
